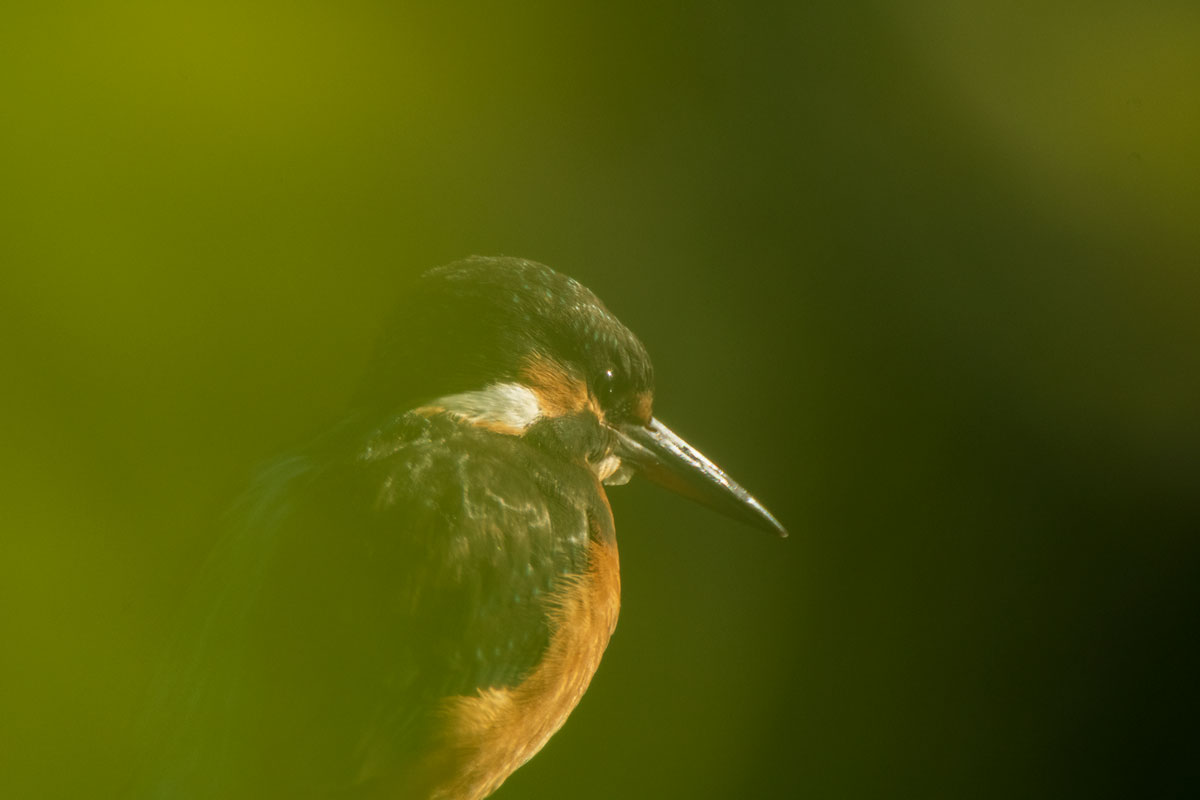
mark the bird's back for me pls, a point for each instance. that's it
(373, 595)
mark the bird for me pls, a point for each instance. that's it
(411, 604)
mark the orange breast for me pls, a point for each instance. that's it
(488, 735)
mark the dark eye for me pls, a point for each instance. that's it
(614, 393)
(607, 384)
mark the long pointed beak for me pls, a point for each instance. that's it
(666, 459)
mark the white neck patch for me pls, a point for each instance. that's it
(515, 407)
(507, 405)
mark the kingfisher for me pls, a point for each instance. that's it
(411, 605)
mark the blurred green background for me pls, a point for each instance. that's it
(924, 276)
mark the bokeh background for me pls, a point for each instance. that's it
(924, 276)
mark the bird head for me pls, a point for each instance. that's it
(512, 346)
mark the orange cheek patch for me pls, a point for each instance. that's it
(558, 391)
